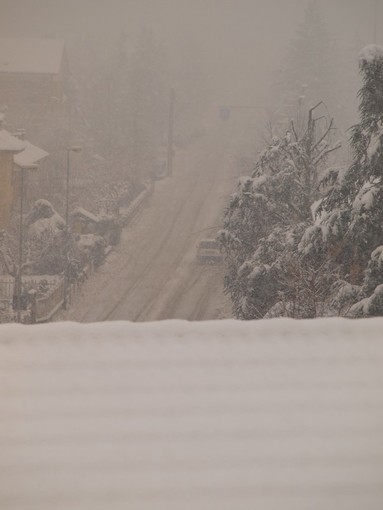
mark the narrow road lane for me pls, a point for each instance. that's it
(153, 273)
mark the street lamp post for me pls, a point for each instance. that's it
(18, 279)
(74, 148)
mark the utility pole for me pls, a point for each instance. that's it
(75, 148)
(170, 133)
(19, 273)
(18, 279)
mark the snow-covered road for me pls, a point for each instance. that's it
(153, 273)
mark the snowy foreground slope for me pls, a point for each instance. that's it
(222, 415)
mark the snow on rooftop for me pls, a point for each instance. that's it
(370, 53)
(87, 214)
(21, 55)
(175, 415)
(27, 153)
(9, 142)
(30, 155)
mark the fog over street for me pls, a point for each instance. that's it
(154, 274)
(132, 130)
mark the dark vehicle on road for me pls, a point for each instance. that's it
(208, 250)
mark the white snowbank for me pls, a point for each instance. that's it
(175, 415)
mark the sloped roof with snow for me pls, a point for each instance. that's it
(9, 142)
(183, 416)
(40, 56)
(80, 211)
(26, 152)
(30, 155)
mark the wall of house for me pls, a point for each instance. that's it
(37, 94)
(6, 188)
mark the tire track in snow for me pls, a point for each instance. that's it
(181, 255)
(161, 247)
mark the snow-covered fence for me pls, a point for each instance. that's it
(6, 289)
(43, 308)
(129, 213)
(7, 285)
(39, 305)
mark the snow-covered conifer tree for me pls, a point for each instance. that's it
(350, 217)
(265, 221)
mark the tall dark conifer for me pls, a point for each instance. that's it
(350, 224)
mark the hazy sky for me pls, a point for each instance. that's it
(244, 38)
(213, 20)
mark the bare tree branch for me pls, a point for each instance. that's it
(324, 135)
(294, 131)
(326, 152)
